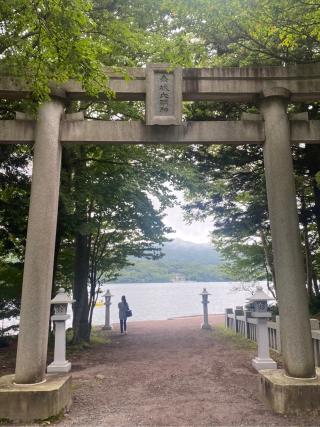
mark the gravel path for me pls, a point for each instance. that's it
(170, 373)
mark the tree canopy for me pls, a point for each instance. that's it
(106, 212)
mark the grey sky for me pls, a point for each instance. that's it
(196, 232)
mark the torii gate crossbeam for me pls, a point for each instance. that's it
(135, 132)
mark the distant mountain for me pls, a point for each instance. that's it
(181, 250)
(183, 261)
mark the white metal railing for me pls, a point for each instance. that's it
(242, 323)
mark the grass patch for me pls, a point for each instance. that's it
(236, 339)
(98, 337)
(52, 420)
(242, 343)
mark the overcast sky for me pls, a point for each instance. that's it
(196, 232)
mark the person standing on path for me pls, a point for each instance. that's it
(123, 308)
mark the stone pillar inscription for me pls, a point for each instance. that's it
(39, 255)
(295, 331)
(163, 95)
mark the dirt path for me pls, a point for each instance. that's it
(170, 373)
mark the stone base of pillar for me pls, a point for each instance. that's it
(56, 368)
(27, 403)
(205, 326)
(286, 395)
(107, 328)
(260, 364)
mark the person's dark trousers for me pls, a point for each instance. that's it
(123, 325)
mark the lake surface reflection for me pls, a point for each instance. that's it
(159, 301)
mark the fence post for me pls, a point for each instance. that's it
(314, 323)
(237, 312)
(226, 320)
(247, 314)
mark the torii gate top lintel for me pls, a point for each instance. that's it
(232, 84)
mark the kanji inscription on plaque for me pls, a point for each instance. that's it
(164, 102)
(164, 95)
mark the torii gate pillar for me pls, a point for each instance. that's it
(296, 388)
(296, 342)
(53, 392)
(39, 256)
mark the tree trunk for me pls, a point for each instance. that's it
(66, 183)
(268, 258)
(270, 286)
(81, 330)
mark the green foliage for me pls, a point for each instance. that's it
(49, 41)
(314, 305)
(251, 32)
(10, 287)
(14, 195)
(244, 262)
(118, 214)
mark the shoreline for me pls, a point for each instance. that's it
(217, 317)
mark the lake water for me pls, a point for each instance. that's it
(161, 301)
(158, 301)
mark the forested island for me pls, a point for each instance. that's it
(182, 261)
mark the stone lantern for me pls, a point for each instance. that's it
(259, 304)
(108, 303)
(205, 294)
(60, 303)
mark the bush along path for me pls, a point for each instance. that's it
(170, 373)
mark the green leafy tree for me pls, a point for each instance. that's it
(105, 200)
(14, 199)
(47, 43)
(252, 32)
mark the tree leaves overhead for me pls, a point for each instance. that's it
(51, 41)
(250, 32)
(45, 41)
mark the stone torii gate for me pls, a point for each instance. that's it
(164, 89)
